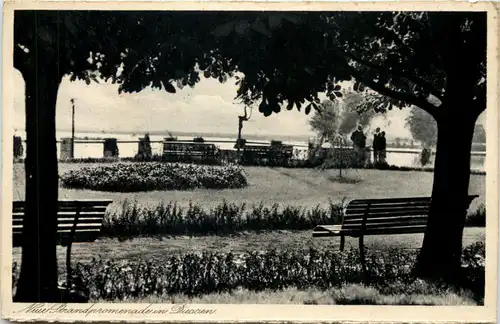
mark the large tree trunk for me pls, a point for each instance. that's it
(440, 256)
(38, 278)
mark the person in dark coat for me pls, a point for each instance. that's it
(376, 146)
(383, 147)
(359, 141)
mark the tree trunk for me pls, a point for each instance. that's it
(440, 256)
(38, 278)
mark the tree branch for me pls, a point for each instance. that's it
(410, 77)
(401, 96)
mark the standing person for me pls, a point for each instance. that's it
(376, 146)
(359, 141)
(383, 147)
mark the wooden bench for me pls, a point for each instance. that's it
(380, 217)
(78, 221)
(189, 152)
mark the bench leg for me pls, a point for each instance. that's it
(362, 257)
(342, 242)
(68, 265)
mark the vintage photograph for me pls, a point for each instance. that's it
(248, 157)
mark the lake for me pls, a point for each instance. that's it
(84, 149)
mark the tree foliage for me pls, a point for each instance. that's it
(423, 127)
(340, 117)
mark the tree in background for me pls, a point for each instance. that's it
(423, 128)
(333, 121)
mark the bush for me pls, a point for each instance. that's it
(169, 219)
(478, 218)
(141, 176)
(203, 273)
(473, 262)
(425, 156)
(207, 272)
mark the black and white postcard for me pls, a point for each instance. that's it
(250, 161)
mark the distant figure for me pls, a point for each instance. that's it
(359, 141)
(376, 146)
(383, 147)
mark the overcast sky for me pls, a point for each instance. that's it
(209, 107)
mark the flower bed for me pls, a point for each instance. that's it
(206, 272)
(168, 218)
(141, 176)
(133, 219)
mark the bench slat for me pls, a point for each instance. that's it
(62, 227)
(66, 216)
(387, 214)
(66, 223)
(386, 220)
(383, 201)
(369, 226)
(388, 200)
(391, 209)
(363, 207)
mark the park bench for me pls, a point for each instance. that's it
(78, 221)
(270, 154)
(380, 217)
(189, 152)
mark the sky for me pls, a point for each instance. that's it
(209, 107)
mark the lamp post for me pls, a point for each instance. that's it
(72, 128)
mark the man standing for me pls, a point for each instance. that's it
(376, 146)
(359, 141)
(383, 147)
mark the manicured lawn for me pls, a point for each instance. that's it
(158, 248)
(304, 187)
(353, 294)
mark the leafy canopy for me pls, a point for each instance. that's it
(286, 58)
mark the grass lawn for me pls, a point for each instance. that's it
(304, 187)
(162, 247)
(348, 295)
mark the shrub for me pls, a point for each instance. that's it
(207, 272)
(132, 219)
(144, 152)
(473, 262)
(425, 156)
(168, 218)
(478, 218)
(141, 176)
